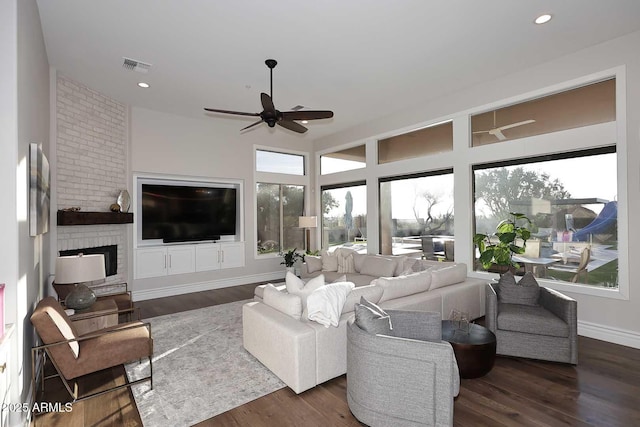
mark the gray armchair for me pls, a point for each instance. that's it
(548, 331)
(401, 380)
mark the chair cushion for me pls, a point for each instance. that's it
(314, 263)
(371, 318)
(530, 319)
(378, 266)
(370, 292)
(452, 274)
(525, 292)
(396, 287)
(53, 325)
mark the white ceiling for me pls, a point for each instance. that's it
(363, 59)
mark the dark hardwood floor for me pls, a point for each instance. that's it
(603, 390)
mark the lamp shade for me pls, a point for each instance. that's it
(307, 221)
(79, 268)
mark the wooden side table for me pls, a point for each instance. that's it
(100, 315)
(475, 351)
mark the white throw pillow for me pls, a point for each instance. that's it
(442, 277)
(314, 263)
(345, 264)
(396, 287)
(286, 303)
(329, 261)
(296, 286)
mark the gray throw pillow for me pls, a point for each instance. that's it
(525, 292)
(371, 318)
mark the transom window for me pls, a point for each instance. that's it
(275, 162)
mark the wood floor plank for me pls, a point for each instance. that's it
(602, 390)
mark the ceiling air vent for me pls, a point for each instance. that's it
(133, 65)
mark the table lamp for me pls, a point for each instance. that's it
(77, 270)
(307, 222)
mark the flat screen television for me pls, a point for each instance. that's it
(181, 213)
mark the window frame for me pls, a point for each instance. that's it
(277, 178)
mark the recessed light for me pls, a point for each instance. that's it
(144, 85)
(543, 19)
(304, 122)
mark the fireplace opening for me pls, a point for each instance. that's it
(110, 256)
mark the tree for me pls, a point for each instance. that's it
(328, 202)
(499, 188)
(431, 224)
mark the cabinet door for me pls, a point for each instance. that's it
(151, 262)
(207, 256)
(181, 259)
(232, 255)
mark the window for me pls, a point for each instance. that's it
(271, 161)
(278, 209)
(344, 215)
(343, 160)
(586, 105)
(430, 140)
(416, 215)
(570, 199)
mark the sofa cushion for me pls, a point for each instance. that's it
(314, 263)
(358, 259)
(378, 266)
(370, 292)
(396, 287)
(531, 320)
(297, 286)
(325, 304)
(449, 275)
(525, 292)
(329, 261)
(289, 304)
(399, 260)
(372, 319)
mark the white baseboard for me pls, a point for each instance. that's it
(205, 286)
(609, 334)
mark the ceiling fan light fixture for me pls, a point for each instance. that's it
(304, 122)
(542, 19)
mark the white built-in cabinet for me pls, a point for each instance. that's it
(179, 259)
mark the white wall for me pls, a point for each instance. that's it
(209, 148)
(603, 318)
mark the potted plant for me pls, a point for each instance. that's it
(290, 257)
(512, 235)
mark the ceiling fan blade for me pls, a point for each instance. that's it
(481, 131)
(513, 125)
(237, 113)
(287, 124)
(251, 125)
(267, 103)
(498, 134)
(307, 115)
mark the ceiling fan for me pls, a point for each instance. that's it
(497, 131)
(271, 116)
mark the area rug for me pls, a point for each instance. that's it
(200, 368)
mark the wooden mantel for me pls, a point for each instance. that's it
(93, 218)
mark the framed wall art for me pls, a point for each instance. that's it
(39, 191)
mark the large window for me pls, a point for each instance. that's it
(430, 140)
(271, 161)
(583, 106)
(343, 160)
(344, 216)
(278, 209)
(571, 201)
(416, 215)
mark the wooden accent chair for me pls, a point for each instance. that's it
(74, 355)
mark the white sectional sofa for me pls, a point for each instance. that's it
(304, 353)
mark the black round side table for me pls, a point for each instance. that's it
(475, 351)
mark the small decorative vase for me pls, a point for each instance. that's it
(124, 201)
(80, 297)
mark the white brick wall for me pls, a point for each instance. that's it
(91, 165)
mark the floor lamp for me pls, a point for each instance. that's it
(307, 222)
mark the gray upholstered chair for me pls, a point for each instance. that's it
(402, 380)
(546, 331)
